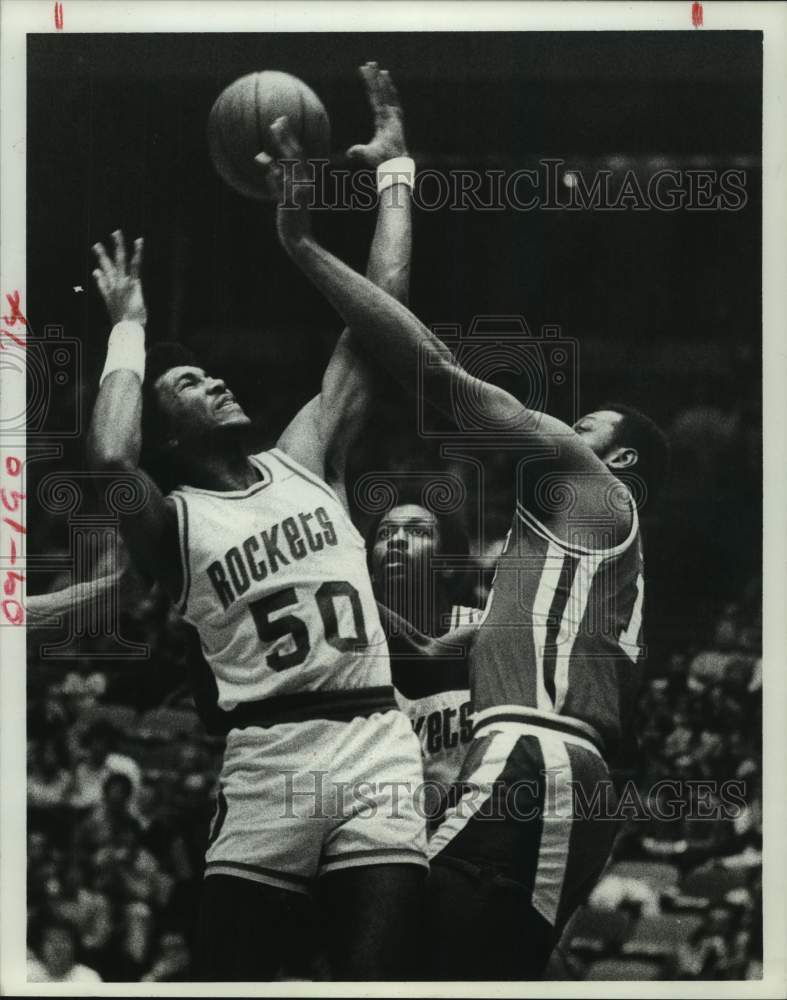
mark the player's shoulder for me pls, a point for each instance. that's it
(584, 522)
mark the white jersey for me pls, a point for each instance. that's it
(275, 580)
(443, 721)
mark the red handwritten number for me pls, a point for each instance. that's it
(16, 313)
(59, 16)
(16, 496)
(13, 611)
(696, 14)
(13, 465)
(9, 585)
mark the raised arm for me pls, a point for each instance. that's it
(115, 434)
(414, 356)
(322, 433)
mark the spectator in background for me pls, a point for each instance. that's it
(109, 815)
(138, 887)
(87, 911)
(83, 687)
(101, 760)
(172, 962)
(48, 777)
(54, 957)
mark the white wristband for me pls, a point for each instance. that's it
(399, 170)
(126, 349)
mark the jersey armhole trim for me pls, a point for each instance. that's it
(541, 529)
(300, 470)
(183, 540)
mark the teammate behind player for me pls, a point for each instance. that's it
(417, 601)
(260, 556)
(557, 661)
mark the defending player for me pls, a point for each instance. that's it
(416, 604)
(260, 556)
(556, 664)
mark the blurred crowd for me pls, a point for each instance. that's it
(120, 798)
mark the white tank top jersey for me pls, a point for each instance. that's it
(443, 720)
(276, 583)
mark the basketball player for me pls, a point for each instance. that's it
(557, 663)
(416, 603)
(260, 556)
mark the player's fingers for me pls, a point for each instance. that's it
(357, 152)
(286, 143)
(101, 281)
(371, 77)
(271, 173)
(120, 250)
(103, 259)
(136, 260)
(389, 88)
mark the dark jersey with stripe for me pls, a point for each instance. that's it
(562, 630)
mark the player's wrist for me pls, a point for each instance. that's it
(126, 349)
(396, 170)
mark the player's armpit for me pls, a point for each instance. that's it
(151, 535)
(301, 438)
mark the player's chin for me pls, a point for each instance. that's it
(232, 417)
(395, 569)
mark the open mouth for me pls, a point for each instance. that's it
(395, 562)
(225, 402)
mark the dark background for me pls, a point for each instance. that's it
(666, 306)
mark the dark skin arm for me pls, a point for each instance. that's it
(115, 433)
(322, 433)
(422, 665)
(423, 365)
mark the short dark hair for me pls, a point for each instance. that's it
(639, 431)
(453, 534)
(454, 540)
(155, 424)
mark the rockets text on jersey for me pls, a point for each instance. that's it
(276, 583)
(443, 722)
(562, 629)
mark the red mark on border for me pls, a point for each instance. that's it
(59, 16)
(12, 499)
(696, 14)
(16, 316)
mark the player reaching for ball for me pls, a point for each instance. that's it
(557, 661)
(260, 556)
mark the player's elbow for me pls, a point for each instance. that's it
(106, 457)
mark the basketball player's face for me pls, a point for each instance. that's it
(405, 539)
(197, 404)
(598, 430)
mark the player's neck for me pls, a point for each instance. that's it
(426, 617)
(229, 470)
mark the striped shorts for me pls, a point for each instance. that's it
(524, 840)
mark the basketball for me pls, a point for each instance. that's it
(241, 116)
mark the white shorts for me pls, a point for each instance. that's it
(301, 799)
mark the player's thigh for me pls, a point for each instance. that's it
(246, 930)
(479, 925)
(370, 918)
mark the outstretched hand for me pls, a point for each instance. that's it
(388, 140)
(120, 286)
(289, 183)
